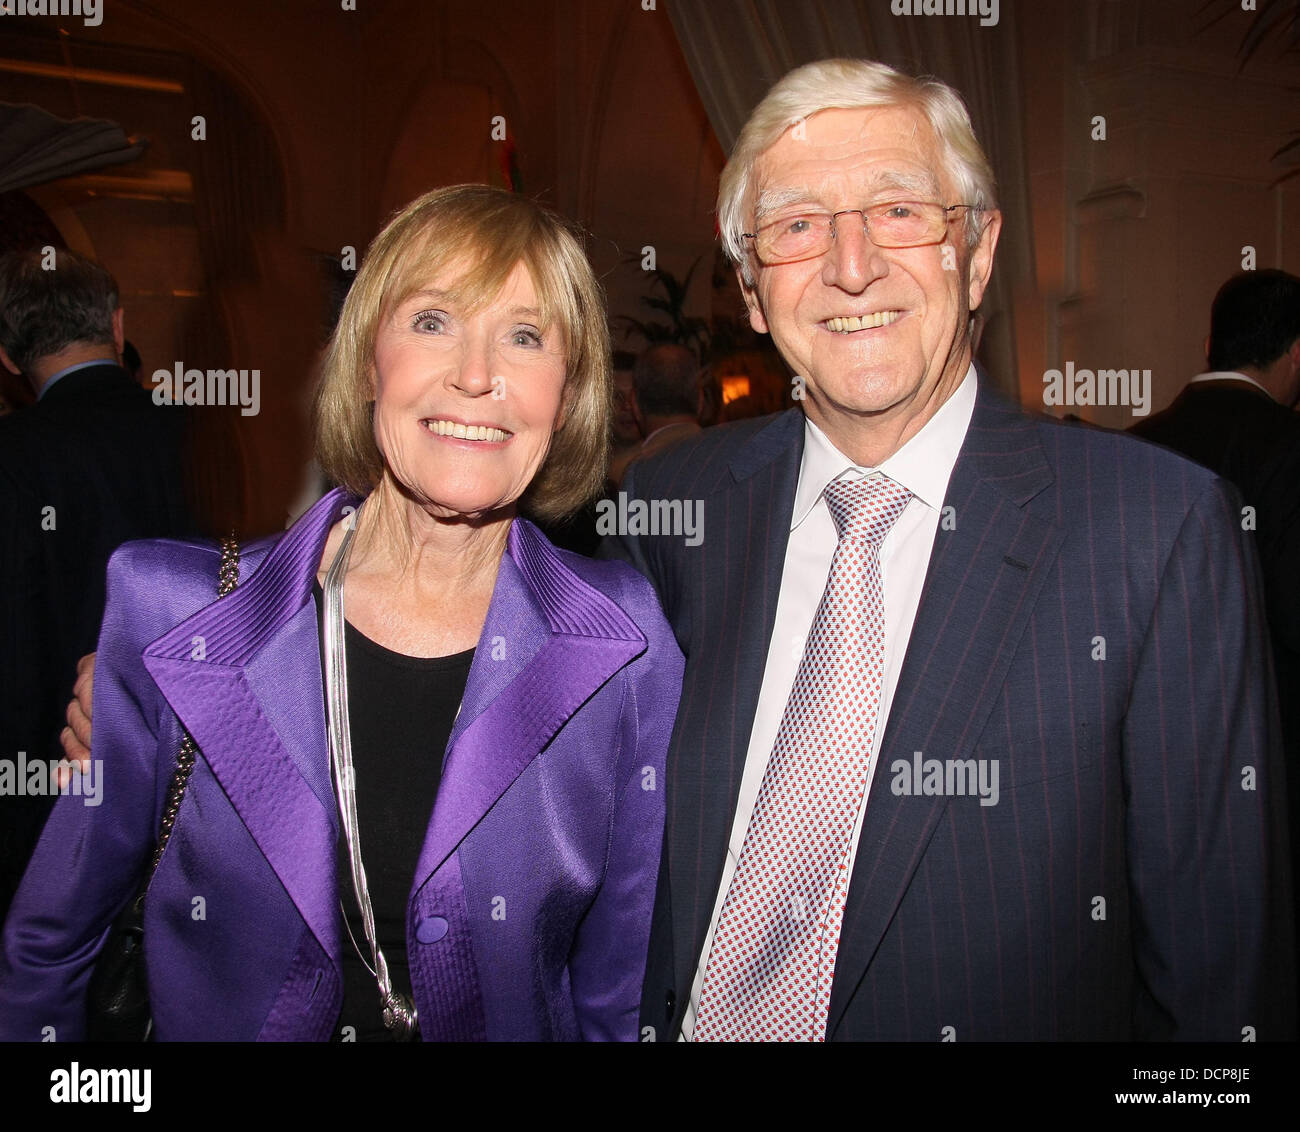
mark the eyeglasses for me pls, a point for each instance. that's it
(894, 224)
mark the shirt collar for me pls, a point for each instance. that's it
(670, 424)
(923, 465)
(1229, 375)
(61, 374)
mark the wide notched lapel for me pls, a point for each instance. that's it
(549, 642)
(741, 581)
(984, 577)
(243, 675)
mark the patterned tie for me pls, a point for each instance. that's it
(773, 956)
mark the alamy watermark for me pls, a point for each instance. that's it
(683, 518)
(987, 10)
(181, 386)
(950, 778)
(102, 1086)
(1127, 387)
(90, 11)
(39, 778)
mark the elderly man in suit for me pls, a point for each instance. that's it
(978, 735)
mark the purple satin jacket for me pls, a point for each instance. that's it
(529, 914)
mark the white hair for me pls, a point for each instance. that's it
(851, 84)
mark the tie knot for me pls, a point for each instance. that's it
(866, 508)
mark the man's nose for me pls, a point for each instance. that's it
(852, 261)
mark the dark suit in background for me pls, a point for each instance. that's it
(89, 466)
(1236, 429)
(1127, 884)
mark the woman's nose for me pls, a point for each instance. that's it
(474, 374)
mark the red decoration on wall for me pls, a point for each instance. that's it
(508, 158)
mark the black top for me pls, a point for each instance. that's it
(401, 710)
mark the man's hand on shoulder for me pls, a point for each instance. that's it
(76, 736)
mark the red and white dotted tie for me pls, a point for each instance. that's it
(773, 956)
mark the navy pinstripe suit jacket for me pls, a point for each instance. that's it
(1132, 880)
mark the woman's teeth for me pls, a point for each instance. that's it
(466, 432)
(870, 322)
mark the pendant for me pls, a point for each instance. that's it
(400, 1016)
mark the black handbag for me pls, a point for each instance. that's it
(117, 1002)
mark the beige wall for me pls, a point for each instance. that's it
(1131, 235)
(1134, 234)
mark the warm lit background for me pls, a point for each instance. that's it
(321, 120)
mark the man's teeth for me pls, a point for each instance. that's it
(870, 322)
(466, 432)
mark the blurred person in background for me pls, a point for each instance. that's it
(626, 432)
(666, 387)
(90, 465)
(1238, 419)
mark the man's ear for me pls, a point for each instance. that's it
(1292, 387)
(750, 294)
(981, 260)
(8, 362)
(119, 332)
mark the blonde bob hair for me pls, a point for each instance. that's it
(851, 84)
(491, 230)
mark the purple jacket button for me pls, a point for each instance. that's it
(431, 929)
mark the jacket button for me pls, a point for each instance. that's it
(670, 1002)
(431, 929)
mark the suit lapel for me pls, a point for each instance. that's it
(549, 642)
(983, 579)
(243, 674)
(752, 514)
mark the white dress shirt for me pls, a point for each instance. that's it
(1228, 375)
(923, 465)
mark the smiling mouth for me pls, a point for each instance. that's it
(866, 322)
(467, 432)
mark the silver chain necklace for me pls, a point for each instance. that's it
(399, 1013)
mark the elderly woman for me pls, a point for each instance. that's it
(428, 795)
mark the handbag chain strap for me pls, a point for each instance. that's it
(227, 579)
